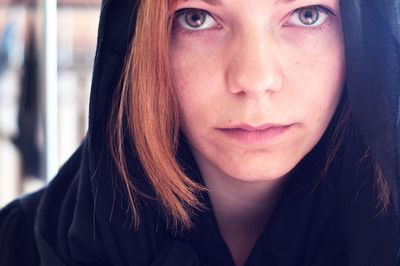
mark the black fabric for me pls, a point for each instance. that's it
(373, 79)
(80, 217)
(28, 113)
(17, 242)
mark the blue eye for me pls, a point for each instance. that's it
(194, 19)
(310, 16)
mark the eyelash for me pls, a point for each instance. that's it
(181, 12)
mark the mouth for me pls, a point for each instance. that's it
(248, 127)
(249, 134)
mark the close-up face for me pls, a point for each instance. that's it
(257, 81)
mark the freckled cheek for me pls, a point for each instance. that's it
(317, 43)
(310, 60)
(193, 74)
(194, 90)
(317, 82)
(329, 97)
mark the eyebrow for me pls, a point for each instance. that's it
(213, 2)
(284, 1)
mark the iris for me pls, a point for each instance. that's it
(309, 16)
(195, 17)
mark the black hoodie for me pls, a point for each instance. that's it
(80, 219)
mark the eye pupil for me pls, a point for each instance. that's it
(309, 16)
(195, 18)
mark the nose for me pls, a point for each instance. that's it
(254, 68)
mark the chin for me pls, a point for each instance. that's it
(259, 174)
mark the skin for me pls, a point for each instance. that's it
(254, 64)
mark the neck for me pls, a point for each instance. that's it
(242, 208)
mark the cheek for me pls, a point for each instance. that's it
(197, 81)
(314, 84)
(330, 81)
(188, 71)
(192, 90)
(321, 74)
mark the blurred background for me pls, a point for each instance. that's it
(23, 134)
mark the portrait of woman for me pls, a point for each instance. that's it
(229, 132)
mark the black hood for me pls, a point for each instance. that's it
(372, 40)
(81, 218)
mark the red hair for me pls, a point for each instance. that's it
(147, 101)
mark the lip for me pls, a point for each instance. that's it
(248, 127)
(249, 134)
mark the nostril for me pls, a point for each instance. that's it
(253, 68)
(254, 81)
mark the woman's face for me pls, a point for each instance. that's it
(257, 81)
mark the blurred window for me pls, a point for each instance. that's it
(21, 130)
